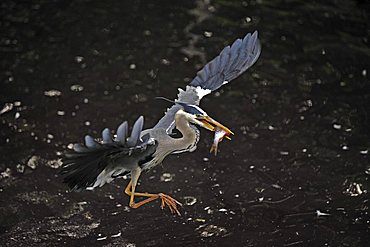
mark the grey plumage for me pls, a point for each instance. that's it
(99, 162)
(231, 62)
(122, 131)
(136, 130)
(107, 137)
(90, 143)
(96, 163)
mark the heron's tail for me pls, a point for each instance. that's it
(93, 164)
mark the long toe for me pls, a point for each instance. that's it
(170, 202)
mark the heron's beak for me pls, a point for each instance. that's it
(212, 125)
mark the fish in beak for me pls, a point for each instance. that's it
(212, 125)
(220, 130)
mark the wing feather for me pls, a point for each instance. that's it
(229, 64)
(96, 163)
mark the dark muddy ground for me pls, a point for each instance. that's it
(295, 174)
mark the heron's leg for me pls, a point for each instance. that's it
(166, 200)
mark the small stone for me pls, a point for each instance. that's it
(55, 164)
(76, 88)
(60, 113)
(101, 239)
(53, 93)
(132, 66)
(116, 235)
(6, 174)
(7, 107)
(79, 59)
(33, 162)
(208, 34)
(337, 126)
(200, 220)
(190, 200)
(20, 168)
(167, 177)
(165, 61)
(212, 230)
(319, 213)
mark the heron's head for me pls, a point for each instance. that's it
(197, 116)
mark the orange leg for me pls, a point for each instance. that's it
(166, 200)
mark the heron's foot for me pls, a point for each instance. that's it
(170, 202)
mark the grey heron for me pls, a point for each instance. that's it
(100, 161)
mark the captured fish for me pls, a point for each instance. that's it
(220, 134)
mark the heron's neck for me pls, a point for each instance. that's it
(188, 133)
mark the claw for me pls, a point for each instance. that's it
(170, 202)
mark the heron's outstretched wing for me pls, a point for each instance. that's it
(229, 64)
(99, 162)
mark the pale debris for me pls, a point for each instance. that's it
(7, 107)
(53, 93)
(167, 177)
(190, 200)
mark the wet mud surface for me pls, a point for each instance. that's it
(295, 174)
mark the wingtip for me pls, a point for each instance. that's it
(136, 130)
(90, 142)
(106, 134)
(122, 132)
